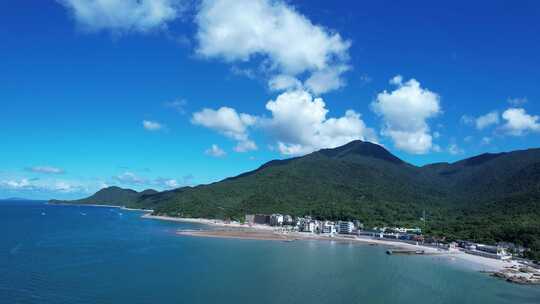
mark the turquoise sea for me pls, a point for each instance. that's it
(76, 254)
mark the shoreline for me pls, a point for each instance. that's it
(263, 232)
(209, 222)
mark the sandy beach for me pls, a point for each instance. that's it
(262, 232)
(210, 222)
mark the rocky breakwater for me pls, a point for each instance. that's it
(519, 275)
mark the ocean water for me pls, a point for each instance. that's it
(75, 254)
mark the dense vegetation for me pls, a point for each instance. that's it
(488, 198)
(114, 196)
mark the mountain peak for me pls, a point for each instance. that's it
(362, 148)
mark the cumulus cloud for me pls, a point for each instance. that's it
(215, 151)
(519, 123)
(299, 124)
(288, 42)
(45, 170)
(484, 121)
(123, 15)
(405, 112)
(228, 122)
(152, 125)
(284, 83)
(326, 80)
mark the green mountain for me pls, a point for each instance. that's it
(115, 196)
(490, 197)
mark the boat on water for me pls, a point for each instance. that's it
(404, 251)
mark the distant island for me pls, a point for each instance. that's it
(488, 198)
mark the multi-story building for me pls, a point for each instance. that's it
(328, 227)
(308, 225)
(345, 227)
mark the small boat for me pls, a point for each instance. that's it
(404, 251)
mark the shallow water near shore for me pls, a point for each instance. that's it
(80, 254)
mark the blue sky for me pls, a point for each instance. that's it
(166, 93)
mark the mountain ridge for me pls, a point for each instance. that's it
(362, 180)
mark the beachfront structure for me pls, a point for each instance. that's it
(288, 220)
(250, 218)
(261, 219)
(328, 227)
(498, 254)
(276, 219)
(308, 225)
(345, 227)
(407, 230)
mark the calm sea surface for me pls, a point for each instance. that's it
(74, 254)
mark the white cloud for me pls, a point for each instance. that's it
(284, 83)
(45, 186)
(228, 122)
(517, 101)
(484, 121)
(130, 178)
(467, 120)
(152, 125)
(396, 80)
(286, 40)
(245, 146)
(486, 140)
(178, 105)
(15, 184)
(215, 151)
(405, 112)
(123, 15)
(63, 186)
(167, 183)
(326, 80)
(519, 123)
(46, 170)
(299, 124)
(454, 149)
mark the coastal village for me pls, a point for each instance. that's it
(518, 270)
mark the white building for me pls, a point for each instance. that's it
(407, 230)
(328, 227)
(308, 225)
(345, 227)
(288, 220)
(276, 220)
